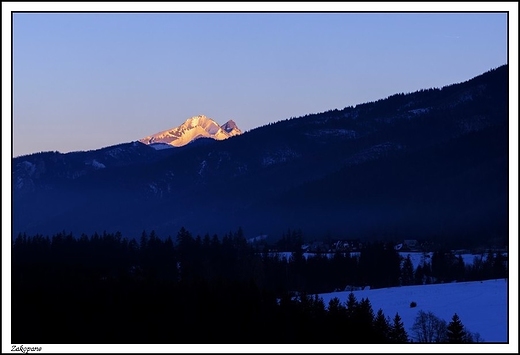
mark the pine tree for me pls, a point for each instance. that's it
(352, 305)
(144, 241)
(338, 324)
(381, 327)
(397, 332)
(317, 307)
(365, 312)
(184, 239)
(364, 317)
(455, 330)
(335, 307)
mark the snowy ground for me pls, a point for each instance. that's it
(481, 306)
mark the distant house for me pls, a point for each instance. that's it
(346, 245)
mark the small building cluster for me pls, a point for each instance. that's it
(347, 245)
(343, 245)
(413, 245)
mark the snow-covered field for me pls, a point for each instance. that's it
(481, 305)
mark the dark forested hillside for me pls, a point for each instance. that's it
(432, 163)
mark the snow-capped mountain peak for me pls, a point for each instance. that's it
(231, 128)
(193, 128)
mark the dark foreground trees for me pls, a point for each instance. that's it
(107, 289)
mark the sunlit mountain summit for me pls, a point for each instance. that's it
(193, 128)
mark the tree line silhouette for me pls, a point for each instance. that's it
(106, 288)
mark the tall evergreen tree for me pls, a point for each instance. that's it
(365, 311)
(144, 240)
(335, 307)
(397, 332)
(381, 327)
(352, 305)
(455, 330)
(363, 319)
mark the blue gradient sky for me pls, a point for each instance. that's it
(85, 81)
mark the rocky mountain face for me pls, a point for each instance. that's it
(193, 128)
(430, 164)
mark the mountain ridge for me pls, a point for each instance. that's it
(297, 173)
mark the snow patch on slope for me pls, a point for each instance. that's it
(372, 153)
(202, 167)
(279, 156)
(97, 164)
(420, 111)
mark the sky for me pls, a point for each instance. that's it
(83, 81)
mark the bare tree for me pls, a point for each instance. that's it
(428, 328)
